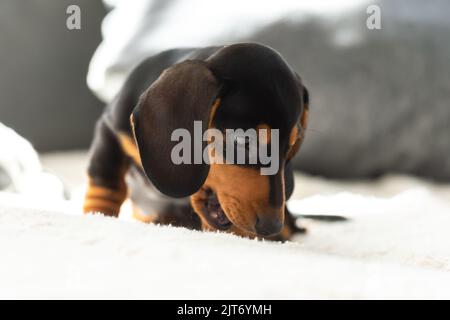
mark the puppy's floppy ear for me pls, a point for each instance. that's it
(305, 115)
(184, 93)
(288, 180)
(303, 121)
(299, 131)
(305, 98)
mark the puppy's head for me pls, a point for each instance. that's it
(240, 87)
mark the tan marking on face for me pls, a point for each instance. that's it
(212, 114)
(197, 202)
(243, 194)
(267, 134)
(130, 148)
(304, 121)
(293, 136)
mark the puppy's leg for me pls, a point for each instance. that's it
(139, 215)
(290, 228)
(107, 168)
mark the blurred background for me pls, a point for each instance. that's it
(43, 80)
(380, 98)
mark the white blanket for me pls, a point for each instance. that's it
(392, 247)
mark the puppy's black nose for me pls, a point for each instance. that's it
(268, 226)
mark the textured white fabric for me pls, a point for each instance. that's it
(21, 164)
(395, 245)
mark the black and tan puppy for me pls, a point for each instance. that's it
(237, 86)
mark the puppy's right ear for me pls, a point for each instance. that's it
(184, 93)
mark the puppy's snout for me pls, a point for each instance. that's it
(266, 226)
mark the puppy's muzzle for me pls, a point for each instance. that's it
(268, 226)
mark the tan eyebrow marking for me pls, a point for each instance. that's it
(264, 126)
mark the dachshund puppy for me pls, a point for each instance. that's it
(241, 86)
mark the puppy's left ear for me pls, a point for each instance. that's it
(298, 133)
(288, 180)
(183, 94)
(305, 98)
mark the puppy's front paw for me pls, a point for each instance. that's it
(290, 229)
(103, 200)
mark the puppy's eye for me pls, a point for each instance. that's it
(242, 140)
